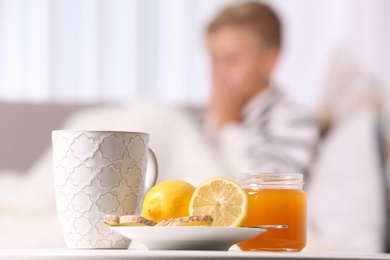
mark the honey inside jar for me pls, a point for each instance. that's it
(275, 205)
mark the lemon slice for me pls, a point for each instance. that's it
(223, 199)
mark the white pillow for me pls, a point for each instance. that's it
(346, 206)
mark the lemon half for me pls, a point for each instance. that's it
(221, 198)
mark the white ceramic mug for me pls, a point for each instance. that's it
(98, 173)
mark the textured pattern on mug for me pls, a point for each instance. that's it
(97, 174)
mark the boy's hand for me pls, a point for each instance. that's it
(226, 103)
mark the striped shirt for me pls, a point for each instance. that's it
(275, 135)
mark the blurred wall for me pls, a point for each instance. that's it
(118, 50)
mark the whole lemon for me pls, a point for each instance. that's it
(168, 199)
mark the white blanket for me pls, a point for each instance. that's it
(345, 203)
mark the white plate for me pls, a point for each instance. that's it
(188, 238)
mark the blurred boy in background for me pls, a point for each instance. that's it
(257, 128)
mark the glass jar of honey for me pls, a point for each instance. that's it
(275, 199)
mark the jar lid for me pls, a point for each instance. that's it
(271, 180)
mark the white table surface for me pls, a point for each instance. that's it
(62, 254)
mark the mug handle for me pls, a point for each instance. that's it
(152, 171)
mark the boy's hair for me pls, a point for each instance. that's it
(256, 16)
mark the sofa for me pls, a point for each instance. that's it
(25, 131)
